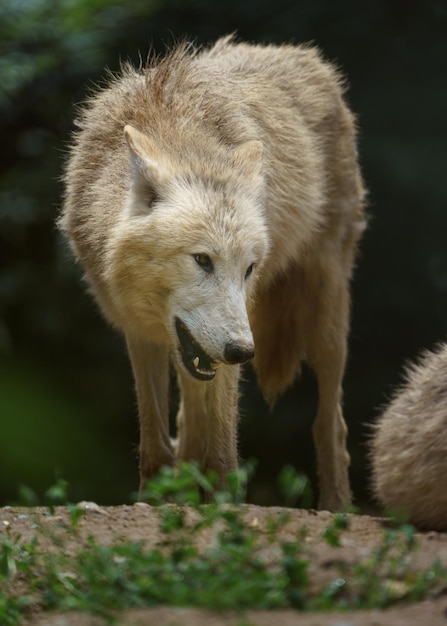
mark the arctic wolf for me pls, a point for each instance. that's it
(409, 445)
(215, 201)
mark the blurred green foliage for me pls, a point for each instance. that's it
(66, 400)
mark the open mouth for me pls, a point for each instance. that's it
(196, 361)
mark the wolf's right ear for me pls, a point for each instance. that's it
(148, 168)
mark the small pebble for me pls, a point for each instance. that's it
(91, 507)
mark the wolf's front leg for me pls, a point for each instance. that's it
(207, 421)
(150, 365)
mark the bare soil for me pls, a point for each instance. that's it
(140, 522)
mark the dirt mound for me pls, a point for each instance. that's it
(327, 557)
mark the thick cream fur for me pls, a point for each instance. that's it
(247, 154)
(409, 445)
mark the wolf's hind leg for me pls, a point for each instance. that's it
(329, 433)
(305, 316)
(327, 356)
(150, 365)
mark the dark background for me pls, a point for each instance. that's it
(67, 407)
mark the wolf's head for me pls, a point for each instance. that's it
(187, 252)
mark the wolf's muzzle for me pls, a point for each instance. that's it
(194, 358)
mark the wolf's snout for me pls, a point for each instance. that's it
(238, 353)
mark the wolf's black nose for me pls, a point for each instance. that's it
(238, 353)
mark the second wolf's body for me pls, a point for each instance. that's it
(409, 445)
(215, 202)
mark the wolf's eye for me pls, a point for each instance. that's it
(249, 270)
(204, 261)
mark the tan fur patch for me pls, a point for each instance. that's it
(409, 445)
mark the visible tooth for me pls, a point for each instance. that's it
(214, 365)
(196, 361)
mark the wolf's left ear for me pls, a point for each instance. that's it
(248, 157)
